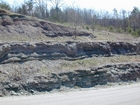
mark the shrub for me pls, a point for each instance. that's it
(134, 33)
(111, 28)
(99, 27)
(129, 29)
(138, 32)
(119, 30)
(92, 27)
(87, 28)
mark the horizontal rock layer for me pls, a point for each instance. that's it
(20, 52)
(80, 78)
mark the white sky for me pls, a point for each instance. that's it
(108, 5)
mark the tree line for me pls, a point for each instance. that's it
(57, 11)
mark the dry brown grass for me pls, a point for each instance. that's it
(97, 61)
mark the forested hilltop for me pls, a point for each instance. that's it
(57, 11)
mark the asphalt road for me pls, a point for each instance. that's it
(119, 95)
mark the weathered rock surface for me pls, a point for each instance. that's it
(80, 78)
(20, 52)
(15, 24)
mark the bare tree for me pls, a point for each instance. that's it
(74, 15)
(57, 4)
(115, 13)
(29, 5)
(125, 20)
(40, 8)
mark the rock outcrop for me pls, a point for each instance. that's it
(15, 24)
(87, 78)
(20, 52)
(79, 78)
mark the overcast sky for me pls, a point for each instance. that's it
(108, 5)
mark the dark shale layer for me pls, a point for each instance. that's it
(20, 52)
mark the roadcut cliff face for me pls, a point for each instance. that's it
(33, 52)
(17, 77)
